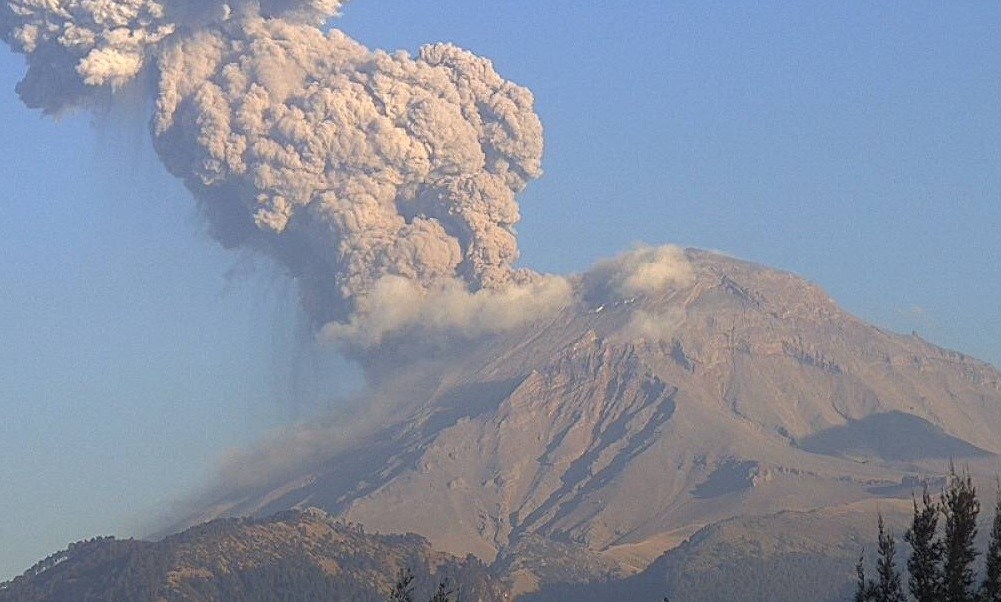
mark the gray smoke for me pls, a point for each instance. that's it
(349, 166)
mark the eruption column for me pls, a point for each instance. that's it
(346, 165)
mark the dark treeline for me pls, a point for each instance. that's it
(943, 560)
(403, 591)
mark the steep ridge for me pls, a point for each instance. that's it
(625, 423)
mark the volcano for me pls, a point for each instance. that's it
(588, 442)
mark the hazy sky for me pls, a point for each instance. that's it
(856, 144)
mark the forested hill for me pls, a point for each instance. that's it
(294, 556)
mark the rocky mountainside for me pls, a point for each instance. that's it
(782, 557)
(617, 428)
(296, 556)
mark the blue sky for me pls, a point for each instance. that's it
(856, 144)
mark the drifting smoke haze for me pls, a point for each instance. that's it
(462, 323)
(384, 183)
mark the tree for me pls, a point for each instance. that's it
(864, 590)
(960, 507)
(888, 588)
(403, 591)
(925, 562)
(443, 593)
(990, 589)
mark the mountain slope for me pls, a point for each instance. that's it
(784, 557)
(629, 420)
(295, 556)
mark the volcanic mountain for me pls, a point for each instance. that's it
(585, 443)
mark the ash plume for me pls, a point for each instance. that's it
(384, 183)
(354, 168)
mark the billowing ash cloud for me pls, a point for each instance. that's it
(354, 168)
(78, 49)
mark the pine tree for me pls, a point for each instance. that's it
(960, 506)
(888, 588)
(864, 591)
(443, 593)
(990, 589)
(403, 591)
(925, 562)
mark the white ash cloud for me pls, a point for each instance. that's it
(398, 305)
(345, 164)
(644, 271)
(649, 270)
